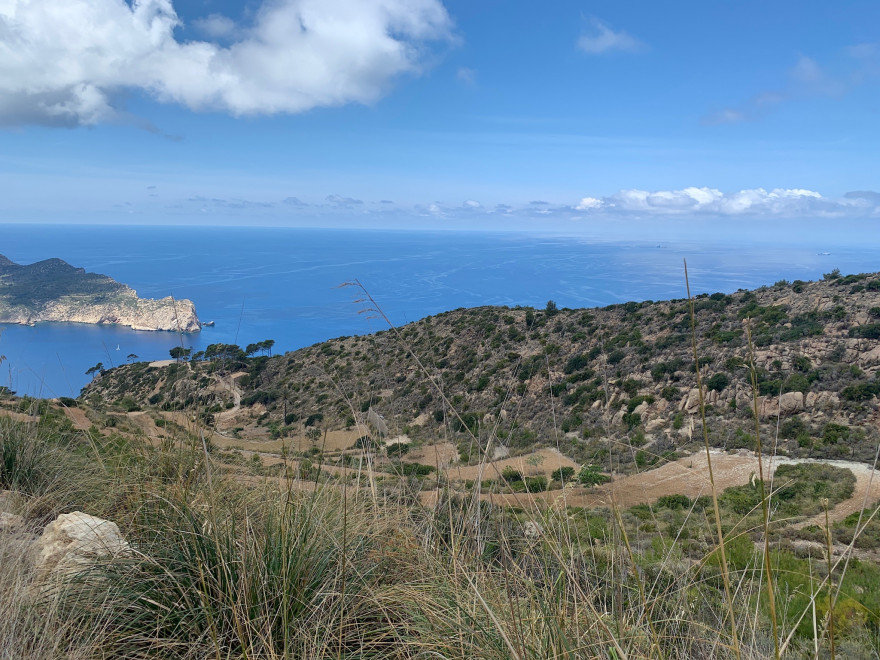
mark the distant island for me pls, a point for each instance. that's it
(53, 290)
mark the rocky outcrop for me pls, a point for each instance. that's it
(69, 546)
(124, 309)
(75, 541)
(9, 520)
(691, 403)
(9, 499)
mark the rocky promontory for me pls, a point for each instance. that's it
(53, 290)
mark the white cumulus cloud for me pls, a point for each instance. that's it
(64, 62)
(758, 202)
(589, 203)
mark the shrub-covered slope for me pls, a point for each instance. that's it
(619, 379)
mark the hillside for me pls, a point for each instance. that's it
(205, 478)
(615, 386)
(53, 290)
(132, 535)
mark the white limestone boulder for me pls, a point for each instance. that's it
(75, 541)
(791, 402)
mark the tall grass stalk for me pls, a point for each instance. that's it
(725, 572)
(829, 549)
(765, 504)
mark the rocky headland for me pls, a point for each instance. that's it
(53, 290)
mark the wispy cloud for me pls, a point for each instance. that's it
(466, 75)
(67, 62)
(232, 203)
(342, 201)
(600, 38)
(806, 79)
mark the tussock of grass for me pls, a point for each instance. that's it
(275, 569)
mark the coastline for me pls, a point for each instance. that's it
(128, 310)
(40, 322)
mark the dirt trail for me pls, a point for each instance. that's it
(146, 423)
(231, 387)
(690, 476)
(78, 418)
(866, 493)
(17, 416)
(442, 454)
(269, 459)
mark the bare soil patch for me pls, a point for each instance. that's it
(441, 454)
(18, 417)
(145, 423)
(78, 418)
(545, 462)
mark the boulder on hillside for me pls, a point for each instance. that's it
(768, 406)
(655, 424)
(691, 403)
(791, 402)
(872, 356)
(73, 542)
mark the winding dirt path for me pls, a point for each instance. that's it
(866, 493)
(231, 387)
(690, 476)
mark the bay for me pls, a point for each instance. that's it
(285, 284)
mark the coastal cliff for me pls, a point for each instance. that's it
(53, 290)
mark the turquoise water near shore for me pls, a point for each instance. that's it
(284, 284)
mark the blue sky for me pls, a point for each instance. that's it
(417, 113)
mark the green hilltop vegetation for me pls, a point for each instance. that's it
(485, 483)
(34, 285)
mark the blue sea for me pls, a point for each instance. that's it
(285, 284)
